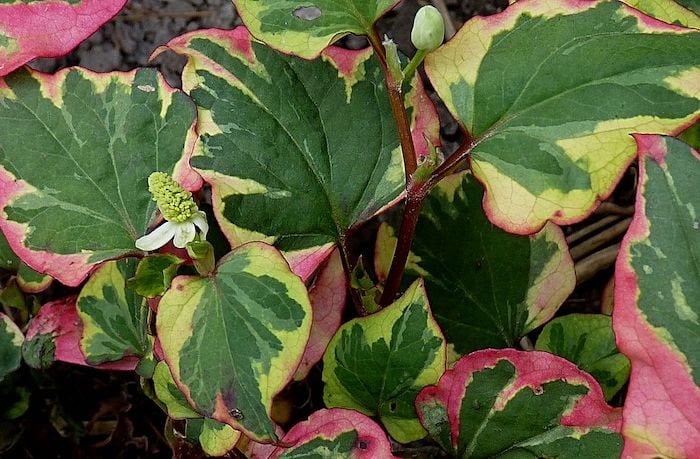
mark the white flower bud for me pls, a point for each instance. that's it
(428, 29)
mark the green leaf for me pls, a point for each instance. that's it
(8, 259)
(657, 313)
(11, 340)
(487, 288)
(77, 194)
(233, 340)
(304, 27)
(551, 133)
(515, 404)
(377, 364)
(114, 317)
(281, 140)
(154, 274)
(588, 341)
(31, 281)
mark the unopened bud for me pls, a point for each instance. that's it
(428, 29)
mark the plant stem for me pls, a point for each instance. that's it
(397, 108)
(413, 64)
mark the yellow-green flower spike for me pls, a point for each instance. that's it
(175, 203)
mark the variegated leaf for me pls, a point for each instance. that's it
(306, 27)
(668, 11)
(508, 403)
(11, 340)
(234, 339)
(77, 194)
(114, 318)
(487, 288)
(296, 152)
(657, 303)
(377, 364)
(550, 92)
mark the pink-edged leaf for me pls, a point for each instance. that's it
(657, 293)
(501, 402)
(338, 433)
(327, 297)
(297, 152)
(75, 164)
(48, 28)
(54, 335)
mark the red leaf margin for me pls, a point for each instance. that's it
(372, 442)
(533, 368)
(60, 319)
(662, 409)
(73, 269)
(50, 28)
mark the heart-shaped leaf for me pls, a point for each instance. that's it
(11, 339)
(114, 318)
(508, 403)
(487, 288)
(77, 194)
(296, 152)
(234, 339)
(551, 133)
(335, 433)
(48, 28)
(656, 315)
(588, 341)
(306, 27)
(377, 364)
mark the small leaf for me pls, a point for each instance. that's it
(77, 194)
(377, 364)
(508, 403)
(487, 288)
(31, 281)
(233, 340)
(8, 260)
(48, 28)
(54, 335)
(327, 296)
(551, 134)
(305, 28)
(114, 317)
(335, 433)
(11, 340)
(588, 341)
(154, 274)
(657, 313)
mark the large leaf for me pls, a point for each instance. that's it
(304, 27)
(508, 403)
(296, 152)
(234, 339)
(114, 318)
(335, 433)
(377, 364)
(54, 335)
(588, 341)
(487, 288)
(551, 131)
(667, 11)
(657, 307)
(11, 339)
(74, 166)
(48, 28)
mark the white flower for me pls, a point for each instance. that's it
(180, 233)
(179, 209)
